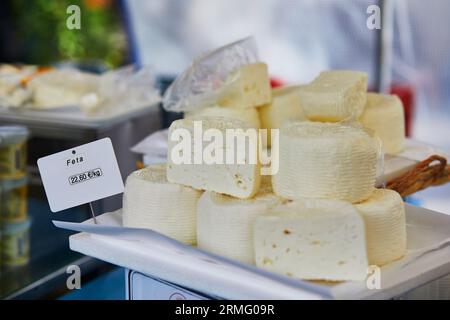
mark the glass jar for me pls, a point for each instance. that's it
(13, 199)
(13, 151)
(16, 243)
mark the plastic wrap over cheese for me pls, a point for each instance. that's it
(201, 84)
(128, 87)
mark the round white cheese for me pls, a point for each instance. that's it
(249, 115)
(384, 218)
(151, 202)
(225, 224)
(326, 160)
(384, 114)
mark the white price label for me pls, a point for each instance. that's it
(80, 175)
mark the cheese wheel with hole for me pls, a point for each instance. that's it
(225, 224)
(313, 240)
(326, 160)
(334, 96)
(384, 217)
(384, 114)
(249, 115)
(151, 202)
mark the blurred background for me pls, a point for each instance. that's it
(297, 39)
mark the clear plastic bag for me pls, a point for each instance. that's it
(124, 88)
(201, 84)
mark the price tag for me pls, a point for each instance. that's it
(80, 175)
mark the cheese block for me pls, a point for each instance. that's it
(225, 224)
(335, 96)
(247, 87)
(249, 115)
(326, 160)
(61, 88)
(384, 217)
(151, 202)
(237, 176)
(285, 106)
(312, 240)
(384, 114)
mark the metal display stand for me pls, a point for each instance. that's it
(51, 132)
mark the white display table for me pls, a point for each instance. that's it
(158, 257)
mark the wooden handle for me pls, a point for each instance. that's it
(429, 172)
(140, 164)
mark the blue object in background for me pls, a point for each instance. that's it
(110, 286)
(414, 201)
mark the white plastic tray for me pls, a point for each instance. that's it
(428, 258)
(73, 116)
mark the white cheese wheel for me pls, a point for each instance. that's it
(326, 160)
(237, 176)
(384, 114)
(249, 115)
(151, 202)
(313, 240)
(225, 224)
(285, 106)
(384, 217)
(247, 87)
(335, 95)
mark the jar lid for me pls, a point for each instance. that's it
(10, 228)
(10, 134)
(7, 185)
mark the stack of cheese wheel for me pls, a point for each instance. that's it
(225, 224)
(164, 198)
(323, 163)
(384, 114)
(326, 160)
(319, 217)
(151, 202)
